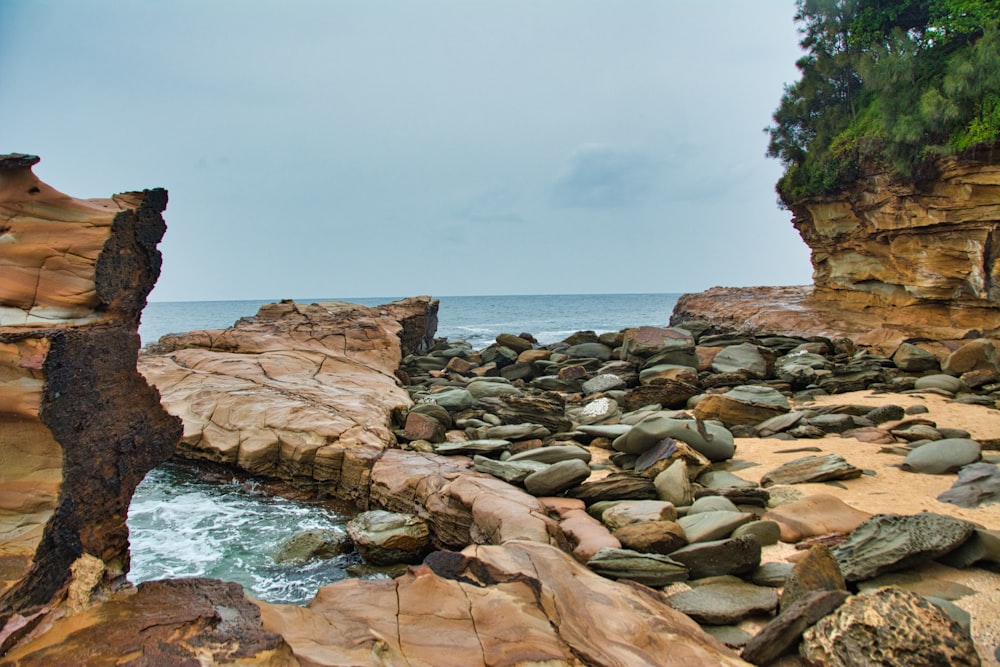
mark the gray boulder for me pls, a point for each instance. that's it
(724, 603)
(648, 569)
(557, 477)
(737, 556)
(942, 456)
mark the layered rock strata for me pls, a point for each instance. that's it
(322, 381)
(79, 427)
(891, 261)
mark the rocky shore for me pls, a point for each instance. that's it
(661, 495)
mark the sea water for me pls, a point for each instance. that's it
(184, 525)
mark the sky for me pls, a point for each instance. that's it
(362, 148)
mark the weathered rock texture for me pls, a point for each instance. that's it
(890, 262)
(322, 377)
(523, 603)
(79, 427)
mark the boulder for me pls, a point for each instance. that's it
(628, 512)
(602, 383)
(977, 484)
(744, 358)
(553, 454)
(889, 627)
(309, 544)
(816, 571)
(386, 538)
(557, 477)
(976, 355)
(910, 358)
(736, 556)
(649, 569)
(708, 526)
(673, 484)
(585, 534)
(781, 636)
(744, 405)
(940, 382)
(710, 439)
(658, 537)
(942, 456)
(513, 472)
(820, 514)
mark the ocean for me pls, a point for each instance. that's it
(476, 319)
(182, 524)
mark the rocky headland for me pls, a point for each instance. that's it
(654, 496)
(891, 261)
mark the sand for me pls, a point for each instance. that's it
(891, 490)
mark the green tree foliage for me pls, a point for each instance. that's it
(886, 84)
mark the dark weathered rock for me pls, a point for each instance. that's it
(745, 405)
(513, 472)
(553, 454)
(982, 547)
(708, 526)
(79, 427)
(547, 409)
(888, 542)
(658, 537)
(310, 544)
(556, 478)
(811, 469)
(782, 635)
(889, 627)
(816, 571)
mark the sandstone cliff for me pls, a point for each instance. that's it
(79, 427)
(890, 260)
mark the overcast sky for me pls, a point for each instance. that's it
(389, 148)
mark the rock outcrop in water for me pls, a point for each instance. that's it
(890, 262)
(79, 427)
(322, 381)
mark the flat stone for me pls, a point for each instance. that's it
(557, 477)
(737, 556)
(724, 603)
(453, 400)
(942, 456)
(771, 574)
(779, 423)
(742, 358)
(732, 636)
(712, 504)
(811, 469)
(723, 479)
(482, 447)
(645, 568)
(743, 405)
(617, 486)
(815, 515)
(553, 454)
(605, 430)
(602, 383)
(517, 432)
(888, 542)
(946, 383)
(708, 526)
(765, 532)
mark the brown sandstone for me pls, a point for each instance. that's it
(79, 427)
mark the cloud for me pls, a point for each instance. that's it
(600, 176)
(496, 204)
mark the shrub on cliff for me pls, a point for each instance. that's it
(886, 84)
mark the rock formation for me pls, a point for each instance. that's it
(79, 427)
(323, 382)
(891, 261)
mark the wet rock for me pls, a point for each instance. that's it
(888, 627)
(820, 514)
(744, 405)
(811, 469)
(977, 484)
(557, 477)
(782, 635)
(816, 571)
(942, 456)
(659, 537)
(724, 603)
(889, 542)
(385, 538)
(736, 556)
(645, 568)
(310, 544)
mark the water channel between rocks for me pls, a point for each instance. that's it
(183, 523)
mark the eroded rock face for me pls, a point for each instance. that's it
(79, 427)
(890, 262)
(322, 377)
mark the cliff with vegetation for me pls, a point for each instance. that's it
(891, 147)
